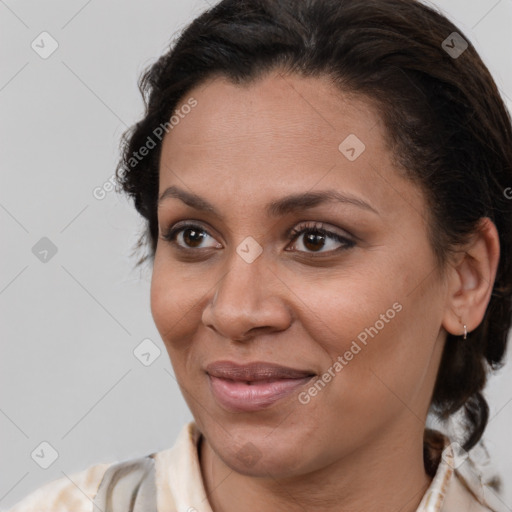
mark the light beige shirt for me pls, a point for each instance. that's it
(180, 485)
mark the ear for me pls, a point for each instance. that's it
(471, 280)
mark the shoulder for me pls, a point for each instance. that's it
(167, 475)
(74, 492)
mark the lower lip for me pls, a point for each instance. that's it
(239, 396)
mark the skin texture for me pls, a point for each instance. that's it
(356, 445)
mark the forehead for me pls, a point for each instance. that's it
(276, 109)
(279, 134)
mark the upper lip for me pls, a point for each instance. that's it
(254, 371)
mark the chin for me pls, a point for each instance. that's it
(263, 462)
(259, 452)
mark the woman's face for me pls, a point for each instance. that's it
(362, 312)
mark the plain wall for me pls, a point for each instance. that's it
(69, 326)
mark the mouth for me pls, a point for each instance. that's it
(255, 371)
(254, 386)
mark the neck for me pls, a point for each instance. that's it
(386, 475)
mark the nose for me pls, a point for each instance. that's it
(248, 300)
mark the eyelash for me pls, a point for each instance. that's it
(316, 228)
(292, 235)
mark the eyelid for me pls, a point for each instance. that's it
(311, 225)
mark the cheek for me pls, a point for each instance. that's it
(345, 306)
(176, 318)
(164, 304)
(174, 302)
(367, 322)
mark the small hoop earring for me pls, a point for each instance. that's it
(465, 333)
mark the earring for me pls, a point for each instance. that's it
(465, 333)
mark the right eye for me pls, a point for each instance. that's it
(188, 236)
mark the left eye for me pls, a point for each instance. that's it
(318, 235)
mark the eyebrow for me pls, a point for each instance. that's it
(280, 207)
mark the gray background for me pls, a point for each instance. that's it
(69, 326)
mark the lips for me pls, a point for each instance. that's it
(256, 371)
(255, 386)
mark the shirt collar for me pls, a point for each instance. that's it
(179, 479)
(439, 449)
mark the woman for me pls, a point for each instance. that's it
(325, 189)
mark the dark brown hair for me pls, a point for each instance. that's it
(446, 124)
